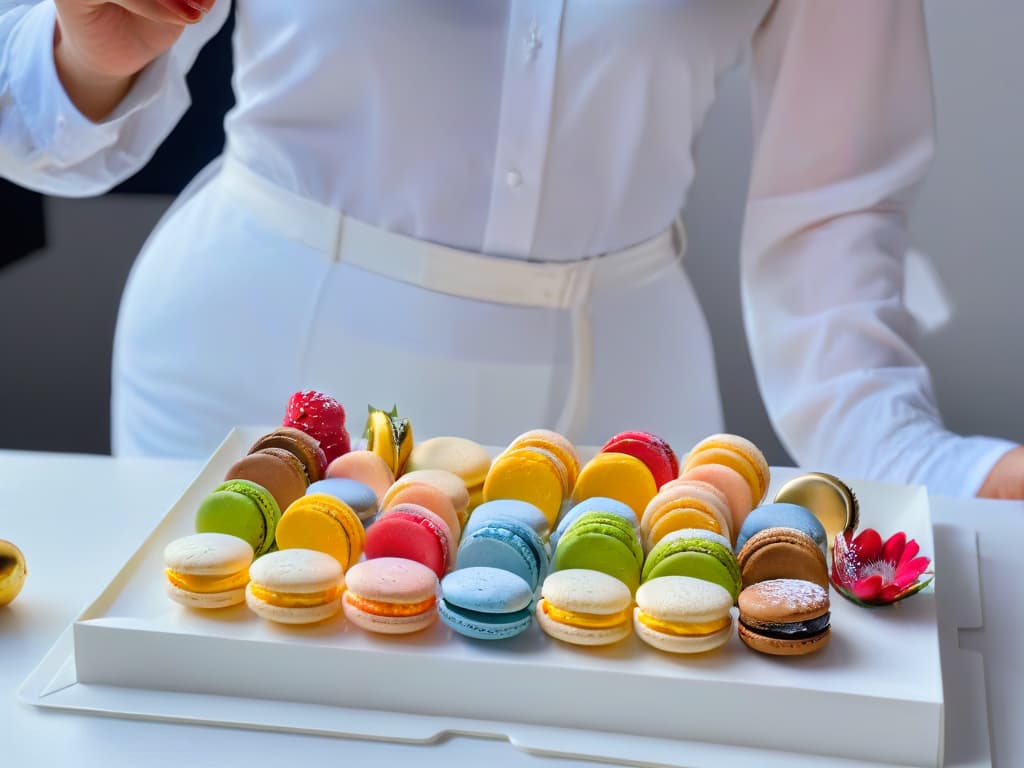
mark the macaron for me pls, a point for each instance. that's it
(241, 508)
(784, 617)
(276, 469)
(390, 595)
(295, 586)
(554, 443)
(507, 544)
(207, 570)
(594, 504)
(781, 515)
(731, 484)
(601, 541)
(324, 523)
(585, 607)
(444, 481)
(696, 556)
(434, 499)
(617, 476)
(508, 509)
(389, 436)
(412, 532)
(485, 603)
(458, 455)
(685, 504)
(358, 496)
(679, 614)
(304, 447)
(782, 553)
(529, 474)
(365, 467)
(828, 498)
(735, 452)
(652, 450)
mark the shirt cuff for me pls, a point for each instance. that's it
(965, 464)
(57, 128)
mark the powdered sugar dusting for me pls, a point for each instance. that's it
(793, 595)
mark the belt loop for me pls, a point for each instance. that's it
(339, 238)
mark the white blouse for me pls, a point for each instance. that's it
(558, 129)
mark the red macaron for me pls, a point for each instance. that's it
(412, 532)
(651, 450)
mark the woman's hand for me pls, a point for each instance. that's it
(99, 47)
(1006, 480)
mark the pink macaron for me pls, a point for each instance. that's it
(431, 497)
(390, 595)
(732, 485)
(412, 532)
(365, 467)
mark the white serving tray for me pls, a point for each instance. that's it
(874, 696)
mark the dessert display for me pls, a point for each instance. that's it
(679, 614)
(12, 572)
(295, 586)
(485, 603)
(784, 617)
(391, 596)
(207, 570)
(584, 607)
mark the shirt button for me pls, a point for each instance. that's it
(61, 122)
(514, 178)
(534, 41)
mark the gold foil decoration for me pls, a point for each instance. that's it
(831, 500)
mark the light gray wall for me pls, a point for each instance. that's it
(57, 310)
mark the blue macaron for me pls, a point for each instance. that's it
(510, 545)
(360, 497)
(508, 509)
(783, 515)
(485, 603)
(594, 504)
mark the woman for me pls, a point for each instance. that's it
(466, 208)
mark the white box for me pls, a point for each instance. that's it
(874, 695)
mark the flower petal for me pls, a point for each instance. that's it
(890, 594)
(909, 552)
(907, 573)
(869, 588)
(893, 548)
(867, 545)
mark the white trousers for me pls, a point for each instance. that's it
(245, 293)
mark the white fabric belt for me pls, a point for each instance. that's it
(439, 268)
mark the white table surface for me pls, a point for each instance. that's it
(78, 518)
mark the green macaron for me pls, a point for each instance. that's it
(240, 508)
(601, 542)
(697, 558)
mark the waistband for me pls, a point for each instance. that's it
(440, 268)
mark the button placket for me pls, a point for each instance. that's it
(524, 125)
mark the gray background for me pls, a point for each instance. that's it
(57, 310)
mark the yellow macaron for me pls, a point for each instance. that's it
(529, 474)
(323, 523)
(617, 476)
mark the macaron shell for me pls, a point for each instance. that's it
(678, 599)
(693, 495)
(462, 457)
(581, 635)
(597, 551)
(309, 614)
(435, 523)
(498, 547)
(388, 625)
(304, 447)
(695, 533)
(737, 453)
(586, 591)
(392, 580)
(778, 647)
(783, 601)
(783, 515)
(669, 643)
(595, 504)
(450, 484)
(397, 534)
(486, 590)
(732, 485)
(276, 470)
(782, 553)
(527, 475)
(208, 554)
(311, 523)
(509, 509)
(696, 565)
(359, 496)
(484, 626)
(557, 444)
(297, 571)
(205, 600)
(617, 476)
(609, 525)
(651, 450)
(667, 520)
(265, 504)
(430, 497)
(364, 467)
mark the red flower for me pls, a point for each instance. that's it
(870, 572)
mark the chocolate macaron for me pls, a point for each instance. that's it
(782, 553)
(276, 469)
(784, 617)
(304, 447)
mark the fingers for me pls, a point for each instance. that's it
(177, 12)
